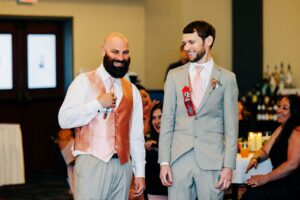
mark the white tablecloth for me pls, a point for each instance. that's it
(239, 175)
(11, 155)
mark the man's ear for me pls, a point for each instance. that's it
(209, 40)
(103, 51)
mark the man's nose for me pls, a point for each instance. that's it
(186, 47)
(120, 56)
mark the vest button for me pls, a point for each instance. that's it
(196, 118)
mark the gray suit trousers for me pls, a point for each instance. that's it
(191, 182)
(97, 180)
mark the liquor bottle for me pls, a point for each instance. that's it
(255, 101)
(270, 113)
(276, 75)
(272, 84)
(263, 112)
(289, 78)
(260, 114)
(267, 73)
(274, 112)
(281, 77)
(266, 105)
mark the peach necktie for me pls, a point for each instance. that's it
(111, 85)
(197, 87)
(109, 89)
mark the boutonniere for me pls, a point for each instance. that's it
(215, 83)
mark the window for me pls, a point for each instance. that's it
(41, 58)
(6, 79)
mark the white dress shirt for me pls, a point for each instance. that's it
(204, 74)
(76, 111)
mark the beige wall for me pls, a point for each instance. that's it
(93, 19)
(281, 33)
(154, 30)
(164, 23)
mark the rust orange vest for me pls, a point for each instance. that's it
(102, 138)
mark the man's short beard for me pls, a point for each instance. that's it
(199, 56)
(116, 72)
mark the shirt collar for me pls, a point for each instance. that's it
(104, 74)
(207, 67)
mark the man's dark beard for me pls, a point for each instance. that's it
(199, 56)
(116, 72)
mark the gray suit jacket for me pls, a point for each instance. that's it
(212, 132)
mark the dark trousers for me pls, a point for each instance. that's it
(270, 191)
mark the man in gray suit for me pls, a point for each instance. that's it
(198, 139)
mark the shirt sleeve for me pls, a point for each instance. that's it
(137, 149)
(75, 110)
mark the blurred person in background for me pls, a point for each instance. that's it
(147, 105)
(283, 148)
(183, 58)
(155, 189)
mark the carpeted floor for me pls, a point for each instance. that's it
(52, 186)
(39, 186)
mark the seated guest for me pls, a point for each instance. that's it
(147, 105)
(243, 113)
(283, 148)
(155, 189)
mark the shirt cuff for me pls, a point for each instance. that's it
(164, 163)
(139, 170)
(96, 105)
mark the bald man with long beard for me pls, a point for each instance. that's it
(106, 112)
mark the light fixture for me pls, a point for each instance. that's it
(27, 1)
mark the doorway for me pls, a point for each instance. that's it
(36, 65)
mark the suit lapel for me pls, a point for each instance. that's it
(215, 74)
(184, 81)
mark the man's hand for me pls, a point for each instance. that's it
(225, 179)
(149, 143)
(107, 100)
(139, 186)
(166, 176)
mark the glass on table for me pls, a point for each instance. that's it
(245, 150)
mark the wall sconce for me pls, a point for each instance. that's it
(27, 1)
